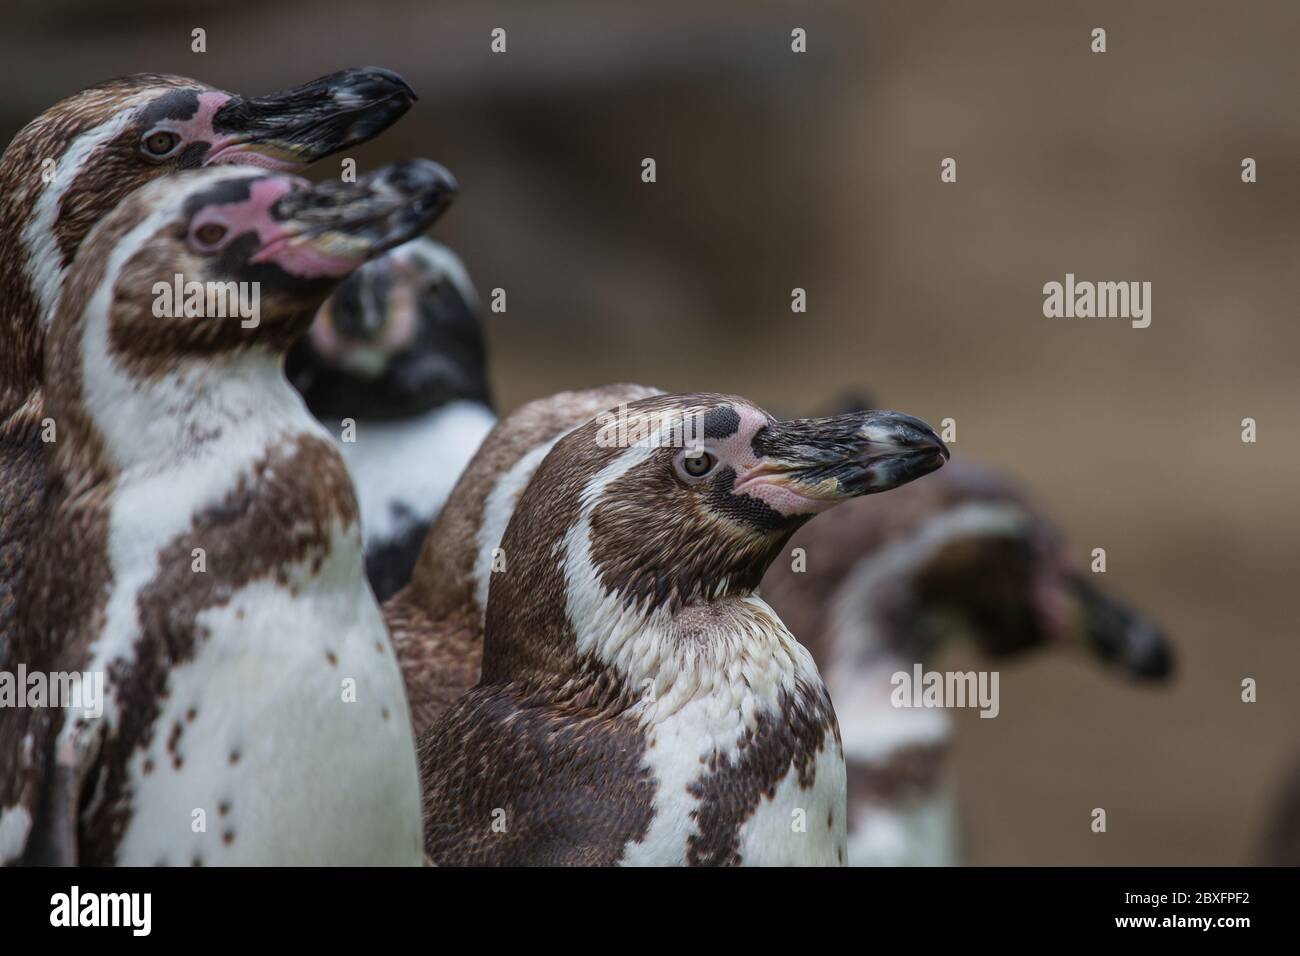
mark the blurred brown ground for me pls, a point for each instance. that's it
(821, 171)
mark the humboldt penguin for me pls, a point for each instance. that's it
(201, 548)
(875, 593)
(639, 703)
(69, 167)
(395, 366)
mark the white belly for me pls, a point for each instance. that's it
(404, 470)
(276, 766)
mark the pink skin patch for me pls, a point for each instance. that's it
(1056, 606)
(761, 478)
(226, 150)
(402, 310)
(222, 149)
(277, 243)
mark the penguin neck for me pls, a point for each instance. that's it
(727, 650)
(231, 406)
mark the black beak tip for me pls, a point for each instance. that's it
(1157, 664)
(922, 437)
(428, 180)
(378, 83)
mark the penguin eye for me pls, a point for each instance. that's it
(160, 143)
(209, 234)
(697, 465)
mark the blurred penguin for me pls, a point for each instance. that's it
(395, 367)
(875, 593)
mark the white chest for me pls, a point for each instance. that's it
(285, 739)
(283, 735)
(404, 470)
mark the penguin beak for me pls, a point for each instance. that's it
(1121, 636)
(828, 460)
(292, 128)
(334, 227)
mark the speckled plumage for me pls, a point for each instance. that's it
(202, 551)
(70, 166)
(654, 710)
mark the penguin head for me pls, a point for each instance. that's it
(223, 260)
(677, 501)
(398, 337)
(73, 163)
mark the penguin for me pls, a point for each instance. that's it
(878, 591)
(395, 365)
(201, 549)
(639, 703)
(436, 621)
(69, 167)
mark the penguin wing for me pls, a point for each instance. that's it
(511, 781)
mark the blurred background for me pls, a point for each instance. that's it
(821, 171)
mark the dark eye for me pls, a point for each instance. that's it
(698, 465)
(209, 234)
(160, 143)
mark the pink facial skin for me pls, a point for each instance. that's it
(402, 309)
(300, 259)
(224, 149)
(760, 478)
(1056, 606)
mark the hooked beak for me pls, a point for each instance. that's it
(330, 229)
(827, 460)
(292, 128)
(1121, 636)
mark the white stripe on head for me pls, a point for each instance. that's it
(42, 267)
(748, 654)
(852, 619)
